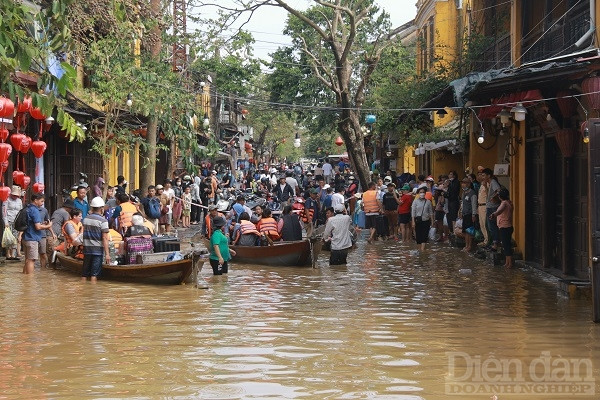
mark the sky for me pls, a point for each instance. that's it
(268, 23)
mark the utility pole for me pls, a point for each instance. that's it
(179, 63)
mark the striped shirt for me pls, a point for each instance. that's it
(94, 225)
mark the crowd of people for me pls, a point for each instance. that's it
(296, 200)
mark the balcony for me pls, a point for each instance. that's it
(496, 56)
(559, 40)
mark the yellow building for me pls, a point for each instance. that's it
(541, 55)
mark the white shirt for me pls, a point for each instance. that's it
(292, 182)
(338, 229)
(327, 168)
(171, 193)
(337, 198)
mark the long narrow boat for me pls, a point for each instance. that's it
(301, 253)
(171, 272)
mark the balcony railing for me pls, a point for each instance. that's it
(559, 40)
(496, 56)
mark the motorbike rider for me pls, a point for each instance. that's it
(283, 191)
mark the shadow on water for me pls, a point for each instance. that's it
(388, 325)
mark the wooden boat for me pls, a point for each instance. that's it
(298, 253)
(171, 272)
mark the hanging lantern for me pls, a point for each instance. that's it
(16, 139)
(7, 108)
(38, 187)
(4, 193)
(18, 177)
(339, 141)
(5, 151)
(25, 145)
(567, 141)
(26, 181)
(3, 134)
(36, 113)
(591, 85)
(566, 103)
(3, 167)
(25, 105)
(38, 148)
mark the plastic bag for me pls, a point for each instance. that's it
(8, 239)
(433, 233)
(445, 220)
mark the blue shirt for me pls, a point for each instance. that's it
(44, 216)
(83, 206)
(32, 234)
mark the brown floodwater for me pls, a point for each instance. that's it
(392, 324)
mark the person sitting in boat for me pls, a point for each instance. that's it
(138, 228)
(289, 226)
(268, 226)
(138, 239)
(123, 213)
(257, 213)
(208, 220)
(72, 231)
(246, 234)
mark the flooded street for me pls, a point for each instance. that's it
(390, 325)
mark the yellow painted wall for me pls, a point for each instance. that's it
(133, 177)
(409, 162)
(445, 161)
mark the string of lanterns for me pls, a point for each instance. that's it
(20, 142)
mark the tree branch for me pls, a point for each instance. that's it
(316, 64)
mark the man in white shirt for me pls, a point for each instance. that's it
(290, 180)
(338, 230)
(327, 170)
(338, 197)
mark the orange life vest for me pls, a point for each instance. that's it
(208, 224)
(247, 227)
(268, 226)
(370, 203)
(69, 241)
(125, 217)
(307, 215)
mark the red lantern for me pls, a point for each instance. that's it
(25, 145)
(3, 167)
(567, 141)
(7, 108)
(4, 193)
(245, 112)
(18, 177)
(5, 151)
(339, 141)
(591, 85)
(26, 182)
(25, 105)
(566, 103)
(38, 187)
(38, 148)
(36, 113)
(16, 139)
(3, 134)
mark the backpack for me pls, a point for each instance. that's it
(152, 208)
(21, 220)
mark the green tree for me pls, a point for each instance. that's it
(342, 42)
(31, 41)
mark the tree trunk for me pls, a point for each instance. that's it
(349, 129)
(148, 174)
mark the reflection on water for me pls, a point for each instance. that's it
(380, 328)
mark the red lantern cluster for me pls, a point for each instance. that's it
(20, 142)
